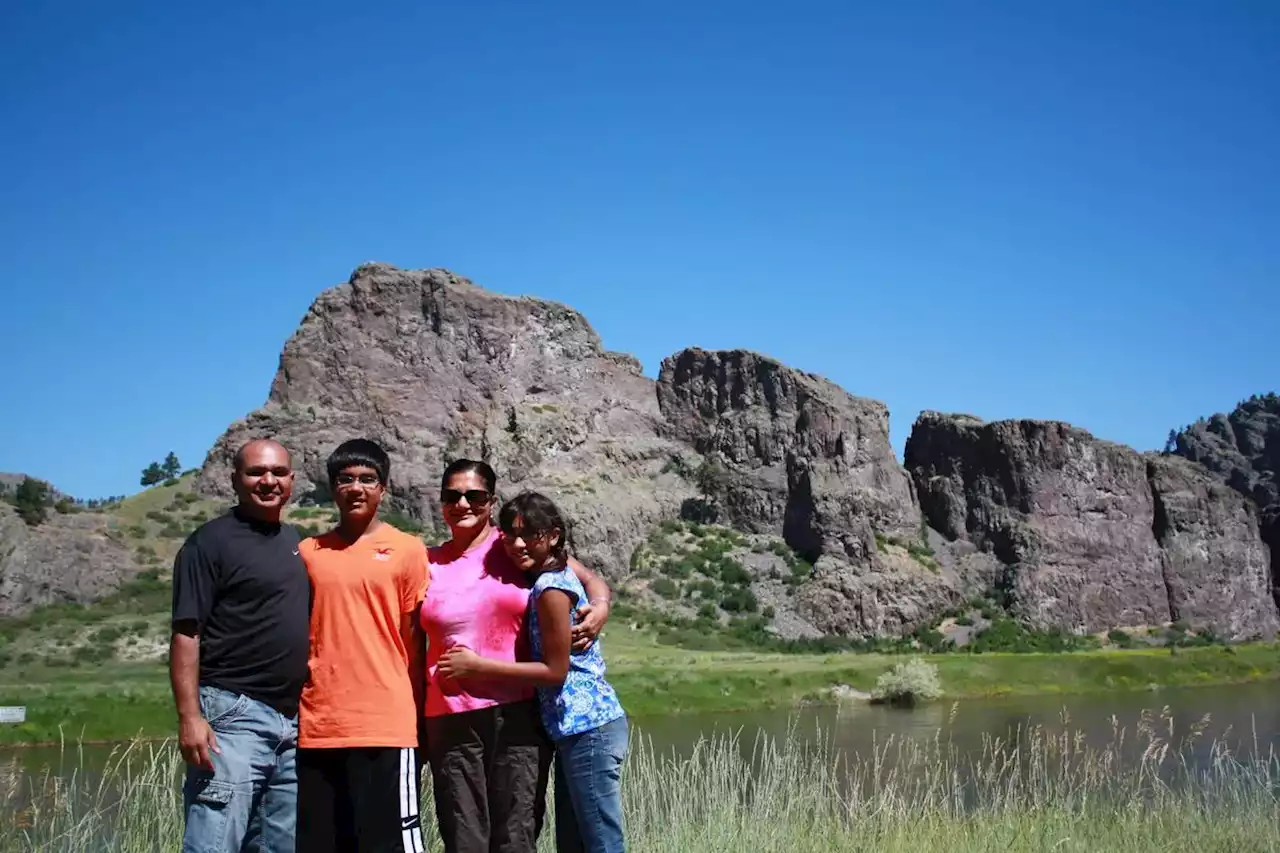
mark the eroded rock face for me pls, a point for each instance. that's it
(435, 368)
(800, 452)
(66, 559)
(1217, 569)
(1074, 522)
(1243, 448)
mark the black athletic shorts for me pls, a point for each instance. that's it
(358, 800)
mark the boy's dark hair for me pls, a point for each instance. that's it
(539, 514)
(359, 451)
(470, 466)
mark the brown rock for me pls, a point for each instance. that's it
(66, 559)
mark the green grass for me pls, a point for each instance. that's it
(652, 678)
(1036, 792)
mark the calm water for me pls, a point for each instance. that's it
(1245, 717)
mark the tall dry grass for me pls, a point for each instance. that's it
(1142, 792)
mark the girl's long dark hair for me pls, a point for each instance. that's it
(538, 514)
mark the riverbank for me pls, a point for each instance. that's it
(1139, 793)
(122, 701)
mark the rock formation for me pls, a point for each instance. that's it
(1093, 535)
(1079, 533)
(67, 559)
(436, 368)
(1243, 448)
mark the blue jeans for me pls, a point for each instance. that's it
(588, 790)
(249, 800)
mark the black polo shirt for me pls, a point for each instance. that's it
(244, 586)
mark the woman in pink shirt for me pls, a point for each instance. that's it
(488, 753)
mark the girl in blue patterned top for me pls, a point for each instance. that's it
(579, 709)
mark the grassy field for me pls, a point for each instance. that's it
(1037, 793)
(117, 701)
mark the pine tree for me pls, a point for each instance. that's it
(1171, 443)
(152, 474)
(30, 499)
(171, 466)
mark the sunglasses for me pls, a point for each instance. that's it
(475, 497)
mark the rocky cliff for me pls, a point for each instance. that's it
(436, 368)
(1078, 533)
(1243, 448)
(67, 559)
(1092, 535)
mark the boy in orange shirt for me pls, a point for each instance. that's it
(357, 759)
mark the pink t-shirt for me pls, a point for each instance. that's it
(479, 601)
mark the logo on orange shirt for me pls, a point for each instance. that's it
(382, 554)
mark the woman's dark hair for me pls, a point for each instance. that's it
(538, 514)
(470, 466)
(359, 451)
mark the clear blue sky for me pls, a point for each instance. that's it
(1063, 210)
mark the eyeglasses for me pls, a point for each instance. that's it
(475, 497)
(363, 479)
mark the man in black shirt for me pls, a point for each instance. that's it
(237, 663)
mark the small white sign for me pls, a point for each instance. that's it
(13, 713)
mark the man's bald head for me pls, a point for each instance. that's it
(263, 478)
(251, 448)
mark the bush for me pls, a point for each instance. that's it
(666, 588)
(1119, 638)
(740, 600)
(732, 572)
(908, 684)
(964, 621)
(671, 567)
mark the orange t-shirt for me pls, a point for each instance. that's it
(359, 692)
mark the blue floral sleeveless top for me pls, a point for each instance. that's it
(585, 701)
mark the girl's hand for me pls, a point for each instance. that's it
(459, 662)
(592, 618)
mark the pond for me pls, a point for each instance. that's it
(1245, 718)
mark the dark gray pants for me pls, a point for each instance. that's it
(489, 771)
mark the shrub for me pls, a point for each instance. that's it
(732, 572)
(708, 611)
(136, 531)
(908, 684)
(964, 621)
(1119, 638)
(740, 600)
(666, 588)
(671, 567)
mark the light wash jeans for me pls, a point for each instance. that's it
(588, 790)
(248, 803)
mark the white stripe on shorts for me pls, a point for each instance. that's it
(410, 829)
